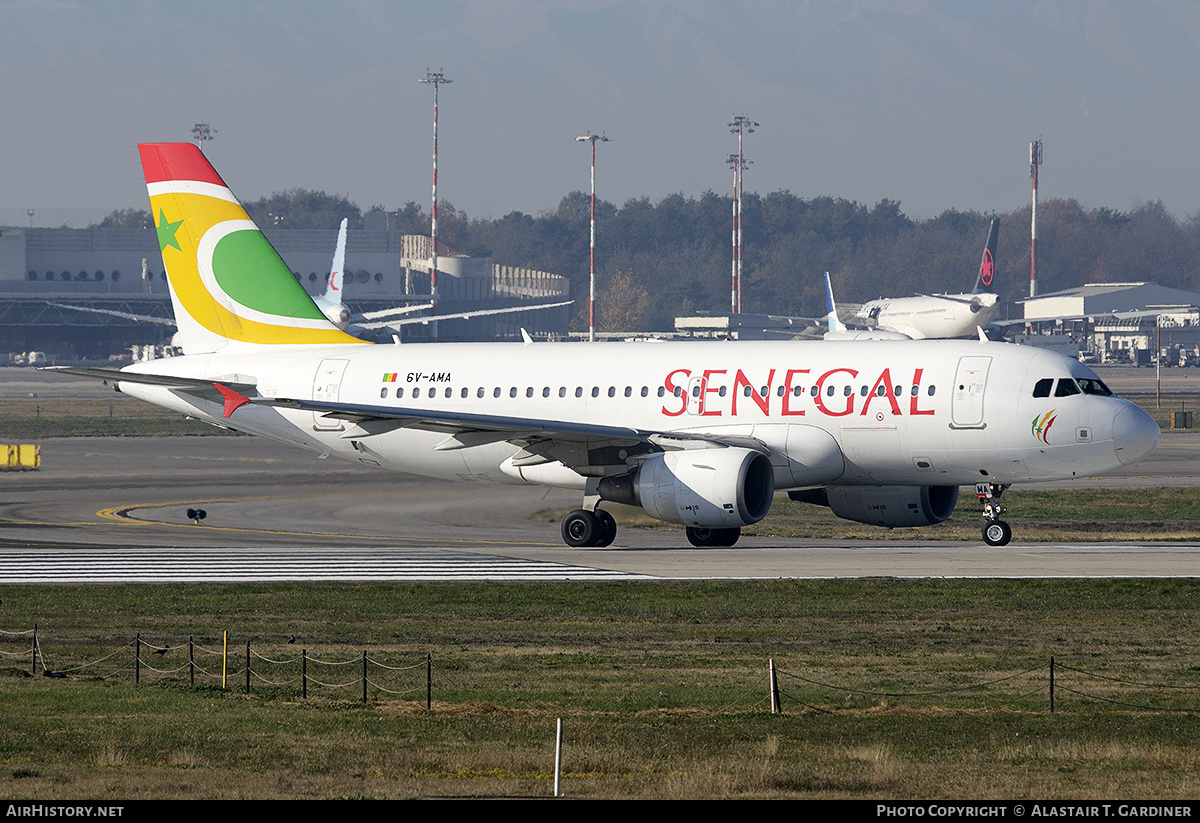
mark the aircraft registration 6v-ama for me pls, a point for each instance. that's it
(701, 434)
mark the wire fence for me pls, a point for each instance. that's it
(1047, 687)
(245, 668)
(242, 667)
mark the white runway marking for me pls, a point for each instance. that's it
(257, 565)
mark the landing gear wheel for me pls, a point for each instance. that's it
(582, 528)
(997, 533)
(608, 528)
(701, 537)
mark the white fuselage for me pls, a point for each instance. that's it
(933, 316)
(936, 412)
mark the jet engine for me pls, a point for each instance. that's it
(889, 506)
(713, 488)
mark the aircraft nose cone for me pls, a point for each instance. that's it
(1135, 435)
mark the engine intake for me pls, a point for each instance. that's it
(708, 488)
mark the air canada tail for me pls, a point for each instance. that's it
(229, 287)
(987, 264)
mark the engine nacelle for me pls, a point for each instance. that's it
(889, 506)
(714, 488)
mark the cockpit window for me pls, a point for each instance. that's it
(1066, 387)
(1093, 386)
(1042, 387)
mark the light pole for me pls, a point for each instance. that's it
(592, 138)
(1035, 160)
(436, 79)
(202, 132)
(740, 125)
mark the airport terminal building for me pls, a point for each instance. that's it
(1123, 322)
(121, 270)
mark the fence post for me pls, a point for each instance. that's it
(775, 707)
(364, 675)
(304, 674)
(558, 760)
(191, 660)
(247, 667)
(1051, 684)
(33, 652)
(137, 658)
(428, 681)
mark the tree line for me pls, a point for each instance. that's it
(658, 260)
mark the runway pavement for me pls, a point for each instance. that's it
(115, 509)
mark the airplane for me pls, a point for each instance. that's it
(837, 330)
(330, 303)
(701, 434)
(940, 315)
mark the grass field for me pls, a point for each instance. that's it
(891, 689)
(122, 416)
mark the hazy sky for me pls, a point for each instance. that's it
(929, 102)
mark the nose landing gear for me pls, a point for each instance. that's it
(995, 531)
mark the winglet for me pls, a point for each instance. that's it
(233, 400)
(987, 264)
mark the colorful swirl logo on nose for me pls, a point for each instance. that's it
(1041, 426)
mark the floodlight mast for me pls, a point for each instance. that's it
(436, 79)
(592, 138)
(202, 132)
(740, 125)
(1035, 160)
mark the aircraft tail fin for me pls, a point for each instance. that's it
(229, 287)
(831, 316)
(987, 264)
(333, 286)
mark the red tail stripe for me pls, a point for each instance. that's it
(176, 161)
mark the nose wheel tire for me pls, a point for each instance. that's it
(997, 533)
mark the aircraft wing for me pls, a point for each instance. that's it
(165, 321)
(462, 315)
(952, 298)
(396, 312)
(575, 445)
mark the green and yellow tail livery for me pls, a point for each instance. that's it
(228, 285)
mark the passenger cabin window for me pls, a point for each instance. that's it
(1042, 387)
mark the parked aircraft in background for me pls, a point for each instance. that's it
(701, 434)
(928, 316)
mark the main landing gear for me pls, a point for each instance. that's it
(582, 528)
(701, 537)
(597, 529)
(995, 531)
